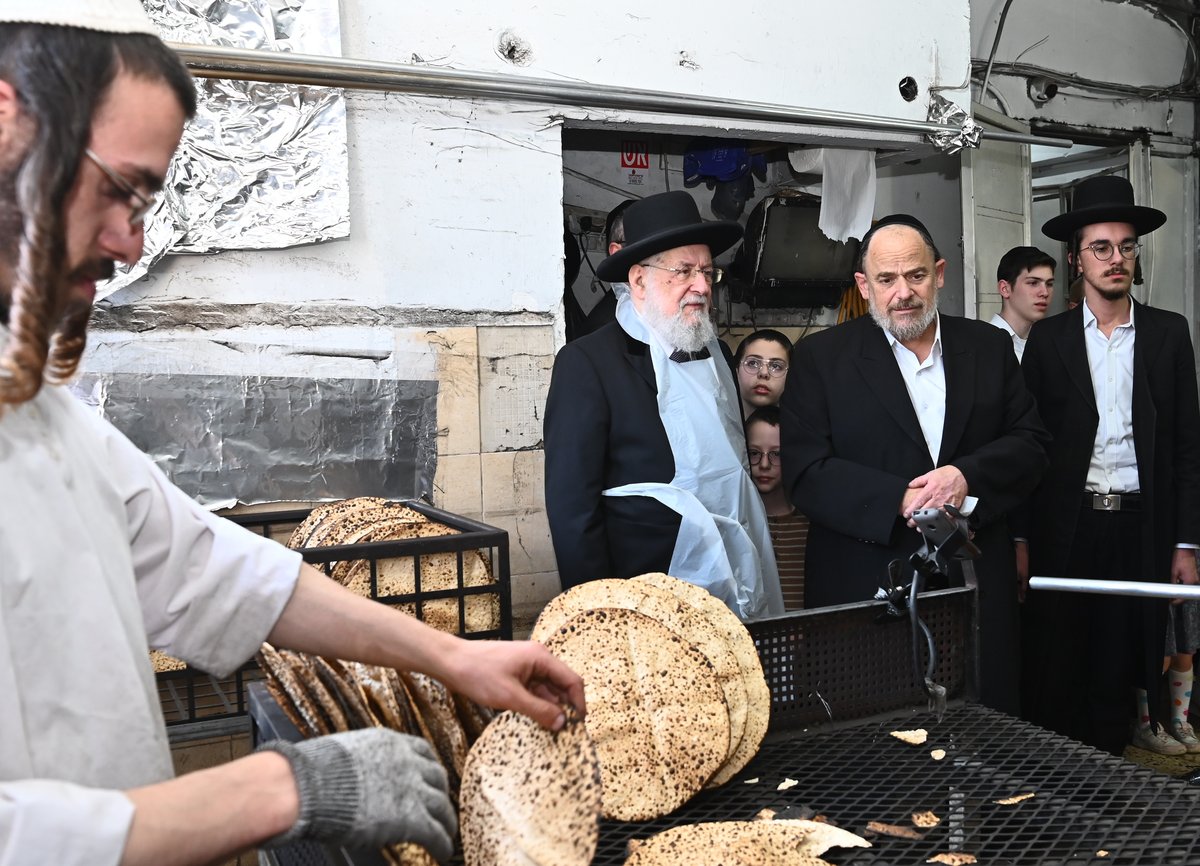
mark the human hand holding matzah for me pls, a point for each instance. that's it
(513, 675)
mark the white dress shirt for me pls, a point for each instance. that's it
(926, 384)
(1018, 342)
(102, 557)
(1113, 468)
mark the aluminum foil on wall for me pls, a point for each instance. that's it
(229, 439)
(262, 166)
(942, 110)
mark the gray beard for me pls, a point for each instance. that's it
(677, 333)
(904, 332)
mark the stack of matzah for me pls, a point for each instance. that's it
(325, 696)
(676, 696)
(369, 519)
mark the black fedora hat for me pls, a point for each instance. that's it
(1105, 199)
(663, 222)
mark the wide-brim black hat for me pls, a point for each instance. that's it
(1107, 199)
(663, 222)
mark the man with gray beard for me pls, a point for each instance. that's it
(646, 466)
(904, 410)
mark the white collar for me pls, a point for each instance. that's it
(1089, 318)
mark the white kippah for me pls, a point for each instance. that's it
(111, 16)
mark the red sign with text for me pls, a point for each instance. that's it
(635, 154)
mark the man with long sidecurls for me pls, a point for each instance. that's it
(101, 557)
(1116, 382)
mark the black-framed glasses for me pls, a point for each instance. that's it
(687, 273)
(139, 205)
(753, 365)
(1103, 250)
(756, 457)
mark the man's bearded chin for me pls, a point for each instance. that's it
(908, 330)
(675, 330)
(1111, 294)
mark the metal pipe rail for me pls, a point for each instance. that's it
(1115, 587)
(208, 61)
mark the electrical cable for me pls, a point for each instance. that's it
(996, 43)
(1072, 80)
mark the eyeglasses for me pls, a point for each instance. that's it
(754, 365)
(687, 273)
(139, 205)
(756, 457)
(1103, 250)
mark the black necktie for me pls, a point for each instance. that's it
(680, 355)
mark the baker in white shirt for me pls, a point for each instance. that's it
(102, 558)
(1025, 281)
(1115, 382)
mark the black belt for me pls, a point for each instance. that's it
(1112, 501)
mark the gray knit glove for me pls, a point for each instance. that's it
(369, 788)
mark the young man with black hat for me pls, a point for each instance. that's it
(101, 557)
(645, 452)
(1115, 382)
(902, 410)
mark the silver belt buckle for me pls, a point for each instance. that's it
(1106, 501)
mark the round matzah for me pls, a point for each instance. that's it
(320, 513)
(326, 702)
(432, 700)
(439, 571)
(407, 854)
(163, 662)
(337, 681)
(758, 694)
(668, 609)
(379, 697)
(733, 843)
(655, 709)
(340, 525)
(363, 528)
(473, 716)
(278, 669)
(377, 525)
(530, 796)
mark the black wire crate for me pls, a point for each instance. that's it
(482, 611)
(460, 582)
(188, 695)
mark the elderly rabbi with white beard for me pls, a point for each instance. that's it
(645, 453)
(902, 410)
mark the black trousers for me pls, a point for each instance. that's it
(1084, 654)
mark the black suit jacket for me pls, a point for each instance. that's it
(602, 430)
(851, 442)
(1166, 430)
(1062, 628)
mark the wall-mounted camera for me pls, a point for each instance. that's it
(1042, 90)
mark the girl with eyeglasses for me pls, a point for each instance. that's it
(761, 364)
(788, 527)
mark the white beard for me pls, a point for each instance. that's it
(910, 330)
(674, 331)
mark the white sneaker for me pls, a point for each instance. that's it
(1184, 733)
(1153, 738)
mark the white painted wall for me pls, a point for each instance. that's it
(847, 55)
(456, 204)
(1098, 39)
(453, 205)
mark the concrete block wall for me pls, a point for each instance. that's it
(491, 466)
